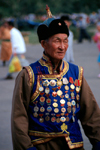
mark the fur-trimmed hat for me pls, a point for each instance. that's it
(50, 27)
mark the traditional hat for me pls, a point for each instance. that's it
(51, 26)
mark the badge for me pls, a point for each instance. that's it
(65, 81)
(62, 101)
(56, 110)
(72, 94)
(46, 83)
(41, 103)
(41, 120)
(41, 89)
(59, 83)
(67, 118)
(36, 109)
(58, 120)
(62, 119)
(59, 92)
(47, 90)
(73, 109)
(52, 82)
(63, 110)
(35, 115)
(48, 101)
(53, 119)
(42, 109)
(72, 86)
(42, 99)
(49, 109)
(55, 104)
(77, 97)
(67, 87)
(54, 94)
(69, 109)
(47, 118)
(73, 102)
(69, 103)
(66, 95)
(77, 89)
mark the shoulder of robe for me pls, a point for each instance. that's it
(30, 74)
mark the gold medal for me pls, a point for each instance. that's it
(42, 109)
(59, 92)
(56, 110)
(58, 120)
(59, 83)
(55, 104)
(72, 86)
(41, 120)
(67, 118)
(35, 115)
(67, 87)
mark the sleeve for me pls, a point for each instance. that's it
(19, 116)
(90, 115)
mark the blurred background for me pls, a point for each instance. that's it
(28, 14)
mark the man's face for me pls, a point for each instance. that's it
(56, 46)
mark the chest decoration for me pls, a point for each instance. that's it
(58, 100)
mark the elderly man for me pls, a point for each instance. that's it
(50, 96)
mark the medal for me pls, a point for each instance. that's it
(52, 82)
(59, 83)
(48, 101)
(66, 95)
(53, 119)
(49, 109)
(41, 89)
(59, 92)
(67, 87)
(63, 110)
(47, 118)
(62, 101)
(65, 81)
(46, 83)
(54, 94)
(55, 104)
(47, 90)
(72, 86)
(67, 118)
(36, 109)
(69, 109)
(77, 97)
(77, 89)
(41, 120)
(73, 102)
(62, 119)
(35, 115)
(69, 103)
(42, 109)
(56, 110)
(42, 99)
(58, 120)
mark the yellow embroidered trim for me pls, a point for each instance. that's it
(80, 75)
(31, 75)
(73, 145)
(49, 76)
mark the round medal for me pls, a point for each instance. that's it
(36, 109)
(62, 119)
(52, 82)
(67, 95)
(49, 109)
(67, 87)
(48, 101)
(46, 83)
(56, 110)
(55, 104)
(41, 89)
(47, 90)
(53, 119)
(54, 94)
(62, 101)
(42, 109)
(72, 86)
(63, 110)
(41, 120)
(59, 83)
(58, 120)
(47, 118)
(35, 115)
(73, 102)
(59, 92)
(77, 89)
(42, 99)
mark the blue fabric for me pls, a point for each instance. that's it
(97, 146)
(48, 21)
(73, 129)
(32, 148)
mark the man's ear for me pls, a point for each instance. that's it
(43, 43)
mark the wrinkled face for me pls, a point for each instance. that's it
(56, 46)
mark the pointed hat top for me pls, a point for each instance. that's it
(49, 14)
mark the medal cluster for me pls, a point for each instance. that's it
(58, 100)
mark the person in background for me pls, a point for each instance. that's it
(6, 47)
(96, 39)
(51, 96)
(82, 25)
(69, 56)
(18, 44)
